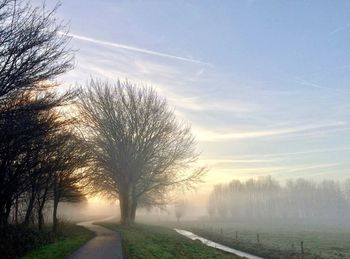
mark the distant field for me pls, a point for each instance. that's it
(143, 241)
(318, 242)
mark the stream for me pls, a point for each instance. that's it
(207, 242)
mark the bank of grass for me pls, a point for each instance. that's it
(70, 238)
(144, 241)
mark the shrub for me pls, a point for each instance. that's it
(15, 241)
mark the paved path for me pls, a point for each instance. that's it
(105, 245)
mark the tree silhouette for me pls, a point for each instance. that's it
(33, 47)
(140, 151)
(33, 50)
(180, 209)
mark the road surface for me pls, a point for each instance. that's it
(105, 245)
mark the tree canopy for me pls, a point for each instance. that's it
(140, 150)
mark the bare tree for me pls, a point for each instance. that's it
(33, 50)
(180, 209)
(140, 150)
(33, 47)
(68, 177)
(297, 201)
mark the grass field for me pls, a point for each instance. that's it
(143, 241)
(71, 238)
(278, 241)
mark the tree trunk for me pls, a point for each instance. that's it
(3, 218)
(16, 211)
(41, 204)
(133, 210)
(7, 212)
(41, 215)
(56, 199)
(54, 214)
(29, 210)
(40, 219)
(127, 207)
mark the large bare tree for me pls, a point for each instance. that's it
(140, 150)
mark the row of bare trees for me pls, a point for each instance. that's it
(130, 145)
(39, 152)
(296, 201)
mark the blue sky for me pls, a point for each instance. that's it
(264, 84)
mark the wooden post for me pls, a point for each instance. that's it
(302, 247)
(236, 235)
(258, 238)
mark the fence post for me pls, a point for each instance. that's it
(302, 247)
(258, 238)
(236, 235)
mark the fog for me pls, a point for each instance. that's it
(297, 201)
(253, 201)
(92, 209)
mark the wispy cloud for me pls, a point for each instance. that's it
(134, 49)
(318, 86)
(312, 167)
(210, 136)
(199, 104)
(217, 161)
(339, 29)
(227, 174)
(298, 153)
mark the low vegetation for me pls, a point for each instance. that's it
(17, 240)
(143, 241)
(69, 240)
(278, 240)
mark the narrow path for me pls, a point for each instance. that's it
(105, 245)
(207, 242)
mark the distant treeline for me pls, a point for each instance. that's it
(295, 201)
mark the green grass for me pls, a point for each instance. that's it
(143, 241)
(279, 240)
(71, 239)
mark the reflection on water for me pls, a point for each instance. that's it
(215, 245)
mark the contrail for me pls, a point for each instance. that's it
(314, 85)
(208, 135)
(135, 49)
(339, 29)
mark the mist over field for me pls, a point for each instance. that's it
(174, 129)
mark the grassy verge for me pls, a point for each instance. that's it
(143, 241)
(70, 239)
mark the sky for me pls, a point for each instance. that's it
(264, 84)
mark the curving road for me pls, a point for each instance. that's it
(105, 245)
